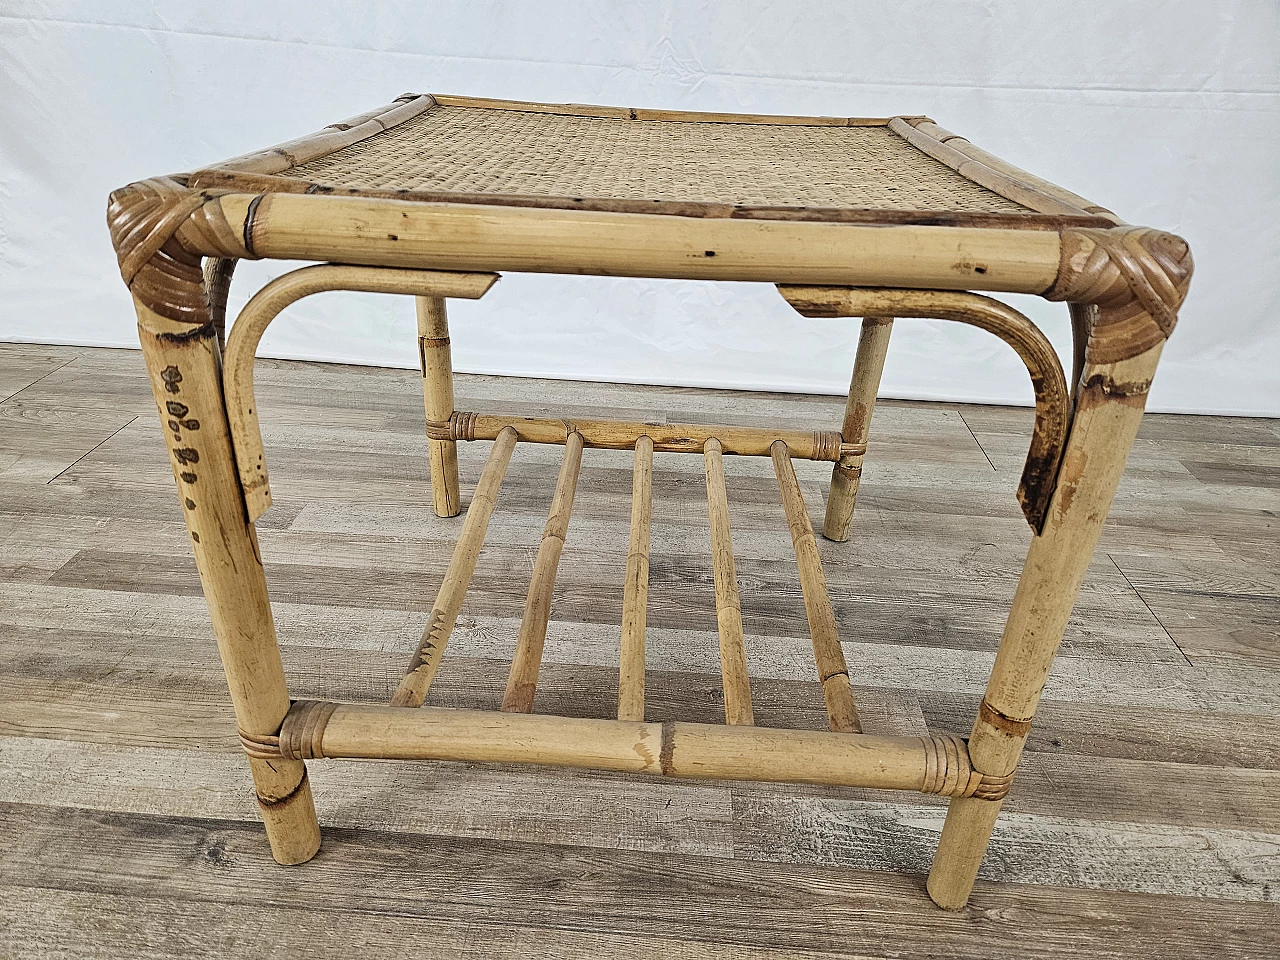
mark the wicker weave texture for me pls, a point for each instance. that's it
(470, 150)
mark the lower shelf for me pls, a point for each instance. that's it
(736, 751)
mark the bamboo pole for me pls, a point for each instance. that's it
(733, 652)
(522, 682)
(452, 236)
(935, 764)
(1106, 421)
(185, 376)
(666, 437)
(265, 306)
(1053, 399)
(846, 475)
(997, 180)
(635, 595)
(332, 138)
(832, 670)
(640, 113)
(436, 364)
(462, 565)
(1030, 180)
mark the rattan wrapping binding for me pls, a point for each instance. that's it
(302, 733)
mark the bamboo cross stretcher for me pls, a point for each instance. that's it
(881, 219)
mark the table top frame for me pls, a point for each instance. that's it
(1048, 206)
(1067, 249)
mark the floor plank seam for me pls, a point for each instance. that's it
(89, 451)
(1139, 595)
(960, 414)
(38, 379)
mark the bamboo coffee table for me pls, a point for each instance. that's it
(870, 218)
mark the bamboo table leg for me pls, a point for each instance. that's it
(1109, 408)
(184, 365)
(868, 366)
(436, 364)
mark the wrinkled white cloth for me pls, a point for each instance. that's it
(1166, 112)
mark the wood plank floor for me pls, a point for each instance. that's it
(1144, 821)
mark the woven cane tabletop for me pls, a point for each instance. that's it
(455, 149)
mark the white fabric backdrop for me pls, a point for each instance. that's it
(1167, 112)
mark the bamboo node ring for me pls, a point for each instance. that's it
(1012, 726)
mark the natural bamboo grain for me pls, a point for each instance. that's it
(1104, 426)
(436, 364)
(522, 682)
(733, 652)
(462, 565)
(846, 475)
(999, 181)
(635, 597)
(640, 113)
(666, 437)
(185, 380)
(266, 305)
(452, 236)
(937, 764)
(833, 672)
(223, 181)
(962, 145)
(1053, 399)
(332, 138)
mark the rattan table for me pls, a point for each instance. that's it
(870, 218)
